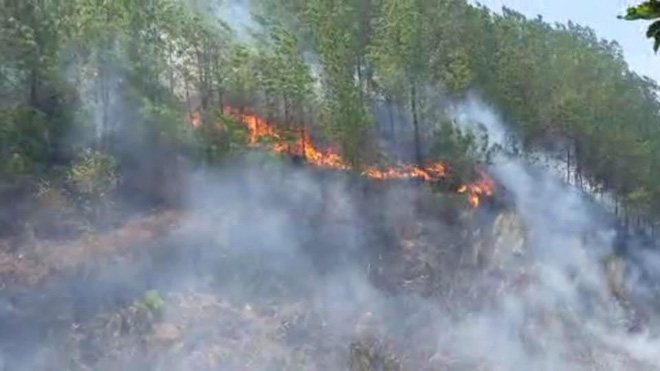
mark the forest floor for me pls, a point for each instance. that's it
(362, 277)
(87, 301)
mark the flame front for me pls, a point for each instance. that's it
(432, 172)
(485, 186)
(330, 158)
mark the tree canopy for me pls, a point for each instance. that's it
(373, 77)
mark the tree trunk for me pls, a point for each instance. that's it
(616, 205)
(105, 102)
(302, 135)
(287, 126)
(218, 79)
(413, 101)
(388, 101)
(188, 102)
(359, 77)
(170, 67)
(578, 166)
(34, 87)
(203, 77)
(652, 231)
(568, 165)
(221, 99)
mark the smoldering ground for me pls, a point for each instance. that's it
(267, 236)
(582, 264)
(270, 266)
(273, 266)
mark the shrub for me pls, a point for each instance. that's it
(153, 301)
(23, 144)
(17, 164)
(149, 309)
(92, 179)
(462, 149)
(219, 135)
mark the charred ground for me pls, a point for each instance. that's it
(278, 266)
(239, 243)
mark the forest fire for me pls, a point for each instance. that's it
(483, 187)
(196, 120)
(261, 130)
(429, 173)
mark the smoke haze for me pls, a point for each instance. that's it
(273, 266)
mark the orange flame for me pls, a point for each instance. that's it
(330, 158)
(482, 187)
(261, 129)
(429, 173)
(196, 120)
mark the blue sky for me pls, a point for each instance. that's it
(601, 16)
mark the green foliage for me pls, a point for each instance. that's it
(367, 354)
(336, 29)
(458, 74)
(92, 179)
(161, 119)
(219, 135)
(152, 302)
(23, 139)
(639, 199)
(94, 175)
(460, 149)
(144, 312)
(17, 164)
(136, 72)
(648, 10)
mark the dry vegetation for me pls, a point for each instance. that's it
(170, 292)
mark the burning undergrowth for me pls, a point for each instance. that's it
(304, 147)
(287, 261)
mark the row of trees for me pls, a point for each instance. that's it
(562, 88)
(561, 84)
(111, 73)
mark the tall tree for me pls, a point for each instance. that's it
(400, 52)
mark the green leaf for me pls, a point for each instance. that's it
(648, 10)
(653, 30)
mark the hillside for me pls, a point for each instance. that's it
(312, 270)
(322, 185)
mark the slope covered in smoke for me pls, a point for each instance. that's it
(307, 238)
(267, 265)
(274, 266)
(582, 270)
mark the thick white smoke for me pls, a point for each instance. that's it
(276, 267)
(568, 246)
